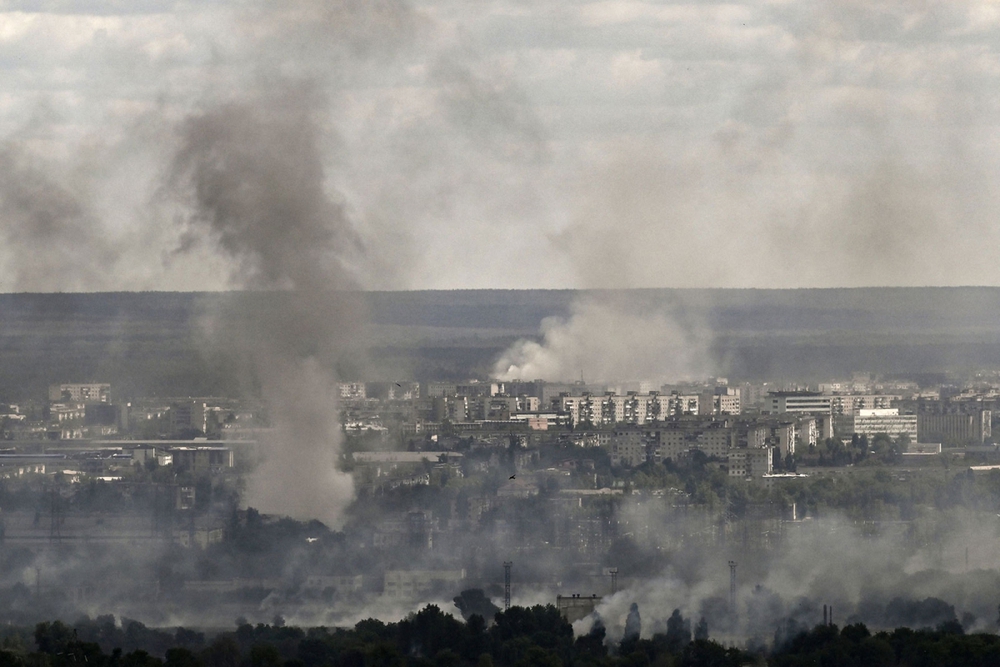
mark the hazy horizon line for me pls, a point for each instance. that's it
(520, 289)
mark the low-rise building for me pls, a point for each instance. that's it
(574, 607)
(413, 584)
(973, 427)
(712, 439)
(888, 421)
(202, 459)
(799, 401)
(749, 462)
(341, 584)
(629, 448)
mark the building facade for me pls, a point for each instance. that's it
(799, 401)
(872, 422)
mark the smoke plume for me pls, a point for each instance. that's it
(57, 242)
(611, 336)
(256, 184)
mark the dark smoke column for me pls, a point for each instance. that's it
(254, 179)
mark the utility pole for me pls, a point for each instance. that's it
(732, 586)
(506, 584)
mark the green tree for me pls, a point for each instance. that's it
(678, 633)
(701, 629)
(181, 657)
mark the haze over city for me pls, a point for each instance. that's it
(507, 334)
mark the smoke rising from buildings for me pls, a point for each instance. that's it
(256, 183)
(255, 172)
(612, 336)
(294, 171)
(259, 170)
(884, 581)
(353, 144)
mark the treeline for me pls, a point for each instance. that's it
(519, 637)
(853, 645)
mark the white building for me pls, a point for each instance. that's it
(634, 408)
(888, 421)
(679, 405)
(799, 401)
(726, 401)
(846, 404)
(583, 409)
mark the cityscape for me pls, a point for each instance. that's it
(567, 493)
(422, 333)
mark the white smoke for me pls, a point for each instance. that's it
(610, 336)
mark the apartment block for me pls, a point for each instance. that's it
(799, 401)
(749, 462)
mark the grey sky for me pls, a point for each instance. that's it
(522, 144)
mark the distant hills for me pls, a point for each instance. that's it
(154, 342)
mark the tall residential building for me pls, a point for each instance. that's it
(679, 405)
(585, 409)
(188, 415)
(631, 408)
(355, 390)
(726, 401)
